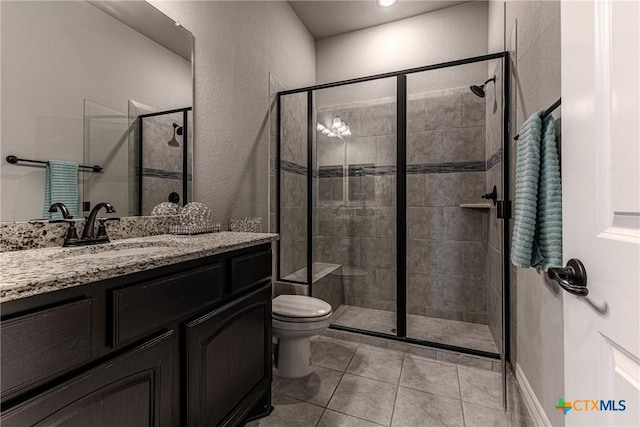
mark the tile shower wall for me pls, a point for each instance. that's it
(293, 201)
(356, 215)
(447, 244)
(494, 178)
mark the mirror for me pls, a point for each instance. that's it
(106, 83)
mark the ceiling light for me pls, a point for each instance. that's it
(386, 3)
(339, 129)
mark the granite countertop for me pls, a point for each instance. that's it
(36, 271)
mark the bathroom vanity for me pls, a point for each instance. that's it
(153, 331)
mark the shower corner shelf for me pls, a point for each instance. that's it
(476, 205)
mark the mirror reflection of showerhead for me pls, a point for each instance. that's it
(173, 142)
(479, 90)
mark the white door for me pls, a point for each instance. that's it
(601, 204)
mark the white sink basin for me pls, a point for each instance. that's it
(116, 253)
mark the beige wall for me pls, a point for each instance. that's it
(532, 35)
(445, 35)
(237, 44)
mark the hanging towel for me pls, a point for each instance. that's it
(549, 215)
(537, 230)
(61, 186)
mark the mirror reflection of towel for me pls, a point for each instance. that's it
(61, 186)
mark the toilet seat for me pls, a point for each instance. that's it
(300, 309)
(301, 319)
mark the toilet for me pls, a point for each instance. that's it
(295, 319)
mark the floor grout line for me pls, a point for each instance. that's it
(395, 400)
(464, 422)
(320, 418)
(355, 416)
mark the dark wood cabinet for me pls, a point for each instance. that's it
(185, 344)
(229, 360)
(133, 389)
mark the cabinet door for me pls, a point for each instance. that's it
(133, 389)
(229, 360)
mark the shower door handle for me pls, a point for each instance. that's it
(503, 209)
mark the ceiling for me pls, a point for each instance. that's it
(326, 18)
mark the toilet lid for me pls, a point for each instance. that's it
(299, 306)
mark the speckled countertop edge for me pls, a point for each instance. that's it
(37, 271)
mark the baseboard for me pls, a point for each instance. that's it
(533, 404)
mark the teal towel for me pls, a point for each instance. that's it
(61, 186)
(549, 216)
(537, 230)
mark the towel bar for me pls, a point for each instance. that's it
(546, 112)
(14, 160)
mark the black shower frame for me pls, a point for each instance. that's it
(185, 153)
(503, 211)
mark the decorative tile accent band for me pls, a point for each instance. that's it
(447, 167)
(292, 167)
(373, 170)
(494, 159)
(159, 173)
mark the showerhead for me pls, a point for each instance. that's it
(173, 142)
(479, 90)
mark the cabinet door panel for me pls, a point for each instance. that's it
(133, 389)
(229, 360)
(61, 333)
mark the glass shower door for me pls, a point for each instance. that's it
(451, 282)
(355, 204)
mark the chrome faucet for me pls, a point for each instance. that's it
(63, 210)
(88, 233)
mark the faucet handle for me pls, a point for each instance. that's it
(72, 232)
(102, 228)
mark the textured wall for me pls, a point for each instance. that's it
(237, 44)
(445, 35)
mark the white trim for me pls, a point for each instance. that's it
(533, 404)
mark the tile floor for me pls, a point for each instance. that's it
(356, 385)
(453, 332)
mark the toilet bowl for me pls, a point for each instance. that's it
(296, 318)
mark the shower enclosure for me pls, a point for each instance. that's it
(385, 202)
(162, 159)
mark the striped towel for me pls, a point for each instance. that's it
(537, 230)
(61, 186)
